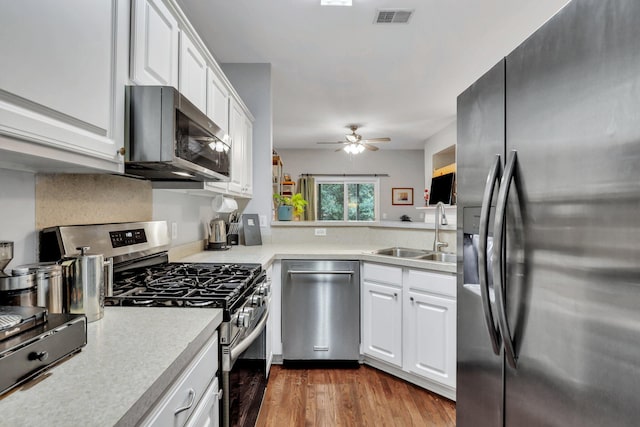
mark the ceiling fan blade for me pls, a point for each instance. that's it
(339, 149)
(368, 140)
(333, 142)
(370, 147)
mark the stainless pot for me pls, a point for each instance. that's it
(50, 285)
(19, 288)
(84, 284)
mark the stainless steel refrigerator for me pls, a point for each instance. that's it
(549, 193)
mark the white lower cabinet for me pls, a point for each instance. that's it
(186, 396)
(430, 337)
(207, 414)
(382, 322)
(409, 324)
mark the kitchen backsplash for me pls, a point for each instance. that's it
(384, 237)
(64, 199)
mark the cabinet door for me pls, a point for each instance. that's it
(236, 131)
(154, 44)
(247, 177)
(382, 322)
(207, 414)
(193, 73)
(430, 337)
(62, 83)
(217, 101)
(180, 402)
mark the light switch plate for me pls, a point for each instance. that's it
(320, 231)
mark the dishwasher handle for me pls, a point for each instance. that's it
(349, 272)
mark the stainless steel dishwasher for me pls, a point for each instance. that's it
(320, 310)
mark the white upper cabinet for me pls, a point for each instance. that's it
(154, 44)
(192, 72)
(247, 179)
(236, 131)
(217, 100)
(62, 84)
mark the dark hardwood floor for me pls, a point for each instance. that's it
(349, 397)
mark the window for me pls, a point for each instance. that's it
(347, 199)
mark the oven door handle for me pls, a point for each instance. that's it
(239, 348)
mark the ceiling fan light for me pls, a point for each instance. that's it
(360, 148)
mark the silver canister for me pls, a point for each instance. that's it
(84, 284)
(49, 285)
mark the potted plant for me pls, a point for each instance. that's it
(289, 205)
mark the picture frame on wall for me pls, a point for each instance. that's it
(402, 196)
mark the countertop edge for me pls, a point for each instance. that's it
(145, 404)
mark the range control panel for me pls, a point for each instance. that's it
(127, 237)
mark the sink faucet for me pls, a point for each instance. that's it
(441, 219)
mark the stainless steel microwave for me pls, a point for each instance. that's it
(170, 139)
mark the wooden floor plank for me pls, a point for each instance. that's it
(350, 398)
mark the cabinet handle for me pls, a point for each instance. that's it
(411, 299)
(192, 398)
(395, 295)
(220, 394)
(122, 151)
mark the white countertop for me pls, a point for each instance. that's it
(265, 254)
(132, 355)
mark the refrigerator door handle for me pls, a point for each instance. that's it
(494, 176)
(498, 268)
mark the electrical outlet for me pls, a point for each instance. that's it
(384, 215)
(174, 230)
(263, 220)
(321, 231)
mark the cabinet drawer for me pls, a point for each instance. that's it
(437, 283)
(181, 400)
(207, 412)
(382, 273)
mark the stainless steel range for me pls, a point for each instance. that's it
(143, 277)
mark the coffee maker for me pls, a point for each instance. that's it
(19, 287)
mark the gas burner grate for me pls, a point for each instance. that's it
(184, 285)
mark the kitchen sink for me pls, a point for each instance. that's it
(439, 256)
(421, 254)
(402, 252)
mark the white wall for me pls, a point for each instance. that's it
(18, 215)
(438, 142)
(405, 169)
(253, 84)
(192, 214)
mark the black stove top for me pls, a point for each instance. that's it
(185, 285)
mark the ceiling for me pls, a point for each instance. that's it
(332, 66)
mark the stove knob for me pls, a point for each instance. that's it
(264, 289)
(244, 320)
(244, 317)
(256, 300)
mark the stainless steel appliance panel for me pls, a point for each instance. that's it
(320, 310)
(481, 125)
(573, 117)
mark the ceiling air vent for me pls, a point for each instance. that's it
(392, 16)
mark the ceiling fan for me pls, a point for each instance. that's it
(354, 144)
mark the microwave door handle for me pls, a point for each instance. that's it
(494, 176)
(498, 259)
